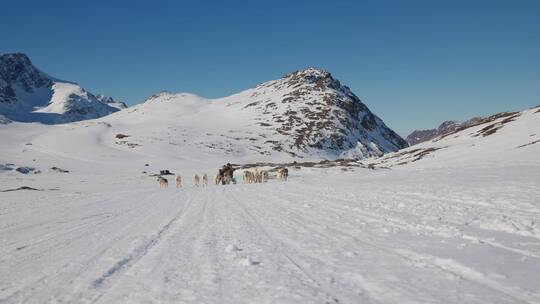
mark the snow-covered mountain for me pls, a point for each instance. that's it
(120, 105)
(305, 114)
(457, 222)
(29, 95)
(418, 136)
(496, 138)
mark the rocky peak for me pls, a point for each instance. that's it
(16, 69)
(104, 98)
(447, 126)
(318, 112)
(319, 79)
(29, 95)
(111, 101)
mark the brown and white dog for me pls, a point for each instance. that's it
(226, 179)
(282, 174)
(163, 183)
(196, 180)
(178, 180)
(257, 175)
(248, 177)
(204, 180)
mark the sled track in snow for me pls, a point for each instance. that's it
(108, 277)
(280, 249)
(416, 259)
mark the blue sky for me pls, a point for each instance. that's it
(414, 63)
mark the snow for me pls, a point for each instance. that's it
(511, 142)
(461, 225)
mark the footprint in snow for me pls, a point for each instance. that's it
(350, 254)
(232, 248)
(233, 252)
(249, 261)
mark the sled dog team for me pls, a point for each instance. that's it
(249, 177)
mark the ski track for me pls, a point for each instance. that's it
(408, 256)
(293, 242)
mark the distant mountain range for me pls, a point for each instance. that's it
(305, 113)
(418, 136)
(30, 95)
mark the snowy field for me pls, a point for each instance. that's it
(408, 236)
(440, 230)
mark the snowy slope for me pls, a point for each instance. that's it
(29, 95)
(506, 136)
(305, 114)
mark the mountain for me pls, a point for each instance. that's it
(418, 136)
(30, 95)
(120, 105)
(83, 220)
(497, 138)
(305, 114)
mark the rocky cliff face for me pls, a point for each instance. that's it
(315, 111)
(18, 73)
(29, 95)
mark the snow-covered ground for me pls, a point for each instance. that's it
(461, 225)
(408, 236)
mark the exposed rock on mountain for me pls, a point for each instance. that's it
(448, 126)
(306, 113)
(111, 102)
(29, 95)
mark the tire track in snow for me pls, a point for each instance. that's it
(296, 221)
(414, 258)
(135, 256)
(397, 222)
(40, 283)
(280, 249)
(184, 267)
(77, 226)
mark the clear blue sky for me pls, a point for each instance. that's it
(414, 63)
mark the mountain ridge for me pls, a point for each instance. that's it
(28, 94)
(304, 113)
(448, 126)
